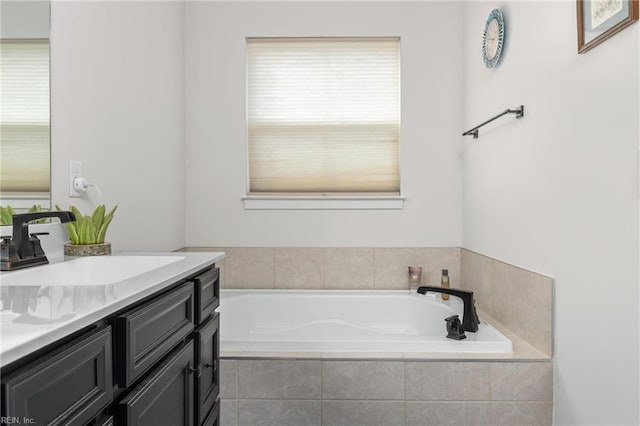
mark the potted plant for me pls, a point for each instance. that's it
(87, 233)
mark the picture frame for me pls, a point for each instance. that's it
(598, 20)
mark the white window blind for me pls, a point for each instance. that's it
(323, 115)
(24, 116)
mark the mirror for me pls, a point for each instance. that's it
(25, 157)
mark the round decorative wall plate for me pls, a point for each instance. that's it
(493, 38)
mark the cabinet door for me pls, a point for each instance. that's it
(207, 288)
(207, 339)
(213, 419)
(146, 334)
(165, 397)
(69, 386)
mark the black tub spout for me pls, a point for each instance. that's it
(470, 319)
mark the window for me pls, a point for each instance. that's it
(24, 119)
(323, 116)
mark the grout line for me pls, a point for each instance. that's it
(404, 396)
(321, 390)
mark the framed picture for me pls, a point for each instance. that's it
(600, 19)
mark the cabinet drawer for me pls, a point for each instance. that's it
(207, 288)
(213, 419)
(165, 397)
(69, 386)
(207, 340)
(148, 333)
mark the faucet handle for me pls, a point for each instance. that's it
(35, 243)
(8, 251)
(454, 328)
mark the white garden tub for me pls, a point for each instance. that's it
(346, 321)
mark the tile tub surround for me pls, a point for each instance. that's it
(520, 300)
(358, 268)
(385, 393)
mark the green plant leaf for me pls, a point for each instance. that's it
(111, 213)
(102, 232)
(98, 216)
(5, 215)
(73, 232)
(87, 231)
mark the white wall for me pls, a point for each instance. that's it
(117, 103)
(431, 122)
(557, 192)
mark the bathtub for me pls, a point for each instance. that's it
(346, 321)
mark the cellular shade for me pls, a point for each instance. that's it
(323, 115)
(24, 116)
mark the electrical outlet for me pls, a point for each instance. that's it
(75, 171)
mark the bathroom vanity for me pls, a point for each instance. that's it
(142, 350)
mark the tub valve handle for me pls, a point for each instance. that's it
(454, 328)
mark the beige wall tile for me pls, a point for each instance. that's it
(391, 266)
(442, 258)
(299, 268)
(447, 381)
(519, 299)
(363, 413)
(279, 379)
(279, 413)
(228, 412)
(362, 380)
(520, 413)
(478, 274)
(527, 306)
(348, 268)
(447, 413)
(228, 379)
(521, 381)
(249, 268)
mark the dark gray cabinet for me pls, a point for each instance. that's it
(163, 354)
(207, 290)
(165, 397)
(207, 339)
(71, 385)
(148, 333)
(213, 419)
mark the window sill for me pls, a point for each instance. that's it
(306, 202)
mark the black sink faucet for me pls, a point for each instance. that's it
(24, 250)
(470, 319)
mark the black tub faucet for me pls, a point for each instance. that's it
(23, 249)
(470, 319)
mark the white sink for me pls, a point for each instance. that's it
(95, 270)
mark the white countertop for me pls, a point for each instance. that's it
(32, 317)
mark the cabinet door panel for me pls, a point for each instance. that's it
(148, 333)
(207, 339)
(207, 288)
(214, 416)
(165, 397)
(69, 386)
